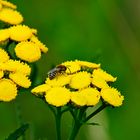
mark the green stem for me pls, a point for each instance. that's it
(58, 123)
(74, 131)
(95, 112)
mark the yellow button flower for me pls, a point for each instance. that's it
(60, 80)
(42, 47)
(41, 89)
(107, 77)
(3, 56)
(91, 96)
(80, 80)
(1, 74)
(8, 90)
(72, 67)
(10, 16)
(99, 82)
(16, 66)
(112, 96)
(28, 51)
(4, 35)
(8, 4)
(87, 64)
(58, 96)
(78, 99)
(20, 33)
(20, 79)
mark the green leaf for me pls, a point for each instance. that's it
(18, 132)
(92, 124)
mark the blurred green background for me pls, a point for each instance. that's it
(101, 31)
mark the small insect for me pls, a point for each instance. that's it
(55, 71)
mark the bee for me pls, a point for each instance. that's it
(57, 70)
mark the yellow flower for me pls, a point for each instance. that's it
(72, 67)
(10, 16)
(16, 66)
(4, 35)
(58, 96)
(91, 95)
(107, 77)
(87, 64)
(99, 82)
(3, 56)
(20, 33)
(34, 31)
(80, 80)
(42, 47)
(8, 4)
(41, 89)
(78, 98)
(8, 90)
(60, 80)
(28, 51)
(112, 96)
(20, 79)
(0, 6)
(1, 74)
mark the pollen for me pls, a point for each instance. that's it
(20, 79)
(112, 96)
(8, 90)
(28, 51)
(10, 16)
(58, 96)
(80, 80)
(20, 33)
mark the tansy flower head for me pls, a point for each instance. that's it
(78, 98)
(99, 82)
(20, 33)
(4, 35)
(28, 51)
(61, 80)
(91, 95)
(3, 56)
(41, 89)
(42, 47)
(20, 79)
(80, 80)
(8, 4)
(10, 16)
(16, 66)
(58, 96)
(72, 67)
(8, 90)
(112, 96)
(87, 64)
(107, 77)
(1, 74)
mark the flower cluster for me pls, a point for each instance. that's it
(28, 47)
(15, 73)
(82, 84)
